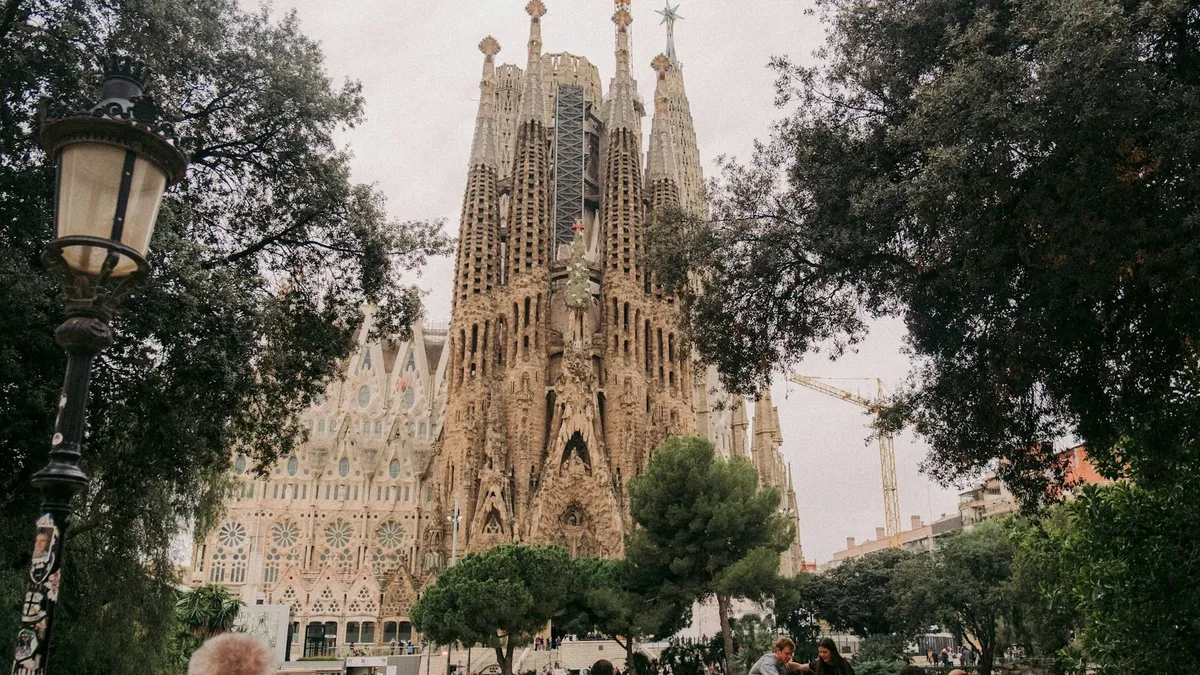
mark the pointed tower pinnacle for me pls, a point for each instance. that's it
(661, 163)
(670, 15)
(622, 112)
(533, 100)
(483, 148)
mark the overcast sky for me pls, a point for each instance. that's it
(419, 65)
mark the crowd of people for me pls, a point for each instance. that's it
(243, 654)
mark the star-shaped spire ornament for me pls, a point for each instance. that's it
(670, 15)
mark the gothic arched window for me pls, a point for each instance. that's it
(364, 396)
(344, 467)
(394, 469)
(293, 466)
(410, 397)
(239, 464)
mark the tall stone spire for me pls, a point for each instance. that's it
(739, 424)
(483, 148)
(661, 161)
(623, 103)
(530, 218)
(622, 208)
(533, 101)
(477, 268)
(763, 447)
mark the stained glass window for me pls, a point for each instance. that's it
(337, 533)
(390, 534)
(232, 534)
(344, 467)
(285, 534)
(394, 469)
(364, 396)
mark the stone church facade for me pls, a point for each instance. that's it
(561, 369)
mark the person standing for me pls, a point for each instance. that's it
(828, 661)
(778, 663)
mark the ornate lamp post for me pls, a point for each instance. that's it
(114, 160)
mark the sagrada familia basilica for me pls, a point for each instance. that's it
(560, 371)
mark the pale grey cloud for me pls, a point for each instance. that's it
(419, 67)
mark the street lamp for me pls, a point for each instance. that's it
(114, 160)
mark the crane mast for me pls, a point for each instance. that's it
(887, 453)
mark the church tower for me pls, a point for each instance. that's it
(567, 364)
(523, 419)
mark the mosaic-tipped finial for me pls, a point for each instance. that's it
(490, 47)
(536, 9)
(661, 64)
(622, 14)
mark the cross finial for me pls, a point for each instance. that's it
(578, 227)
(490, 47)
(536, 9)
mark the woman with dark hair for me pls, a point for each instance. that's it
(828, 661)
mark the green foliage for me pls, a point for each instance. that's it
(872, 666)
(857, 596)
(499, 598)
(263, 260)
(684, 659)
(207, 611)
(707, 526)
(628, 602)
(965, 587)
(1017, 182)
(1132, 555)
(1046, 610)
(707, 519)
(794, 610)
(882, 647)
(752, 637)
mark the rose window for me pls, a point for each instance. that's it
(232, 534)
(337, 533)
(285, 534)
(390, 534)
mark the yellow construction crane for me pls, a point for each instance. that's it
(887, 453)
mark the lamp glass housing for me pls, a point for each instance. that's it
(89, 187)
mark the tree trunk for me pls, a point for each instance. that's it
(630, 669)
(987, 654)
(505, 665)
(726, 631)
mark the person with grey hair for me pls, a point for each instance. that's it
(232, 654)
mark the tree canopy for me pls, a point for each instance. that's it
(1018, 182)
(1131, 559)
(965, 587)
(264, 258)
(499, 598)
(628, 603)
(705, 520)
(857, 596)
